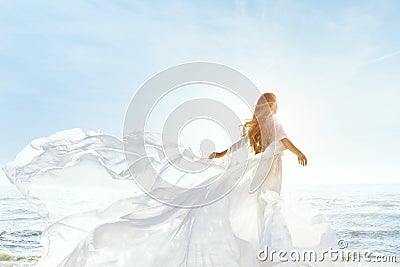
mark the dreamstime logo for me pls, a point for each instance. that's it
(339, 254)
(342, 244)
(150, 157)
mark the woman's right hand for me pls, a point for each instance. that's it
(213, 155)
(218, 154)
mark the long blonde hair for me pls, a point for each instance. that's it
(260, 128)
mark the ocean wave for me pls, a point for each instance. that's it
(12, 198)
(25, 232)
(387, 203)
(7, 259)
(21, 219)
(375, 233)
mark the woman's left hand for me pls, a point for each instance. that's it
(302, 159)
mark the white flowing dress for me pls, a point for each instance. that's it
(79, 182)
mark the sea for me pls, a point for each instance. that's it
(365, 217)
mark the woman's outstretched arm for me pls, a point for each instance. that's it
(218, 154)
(239, 144)
(300, 156)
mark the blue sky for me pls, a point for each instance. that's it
(333, 65)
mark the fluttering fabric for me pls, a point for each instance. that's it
(98, 216)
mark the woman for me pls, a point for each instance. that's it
(254, 129)
(102, 219)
